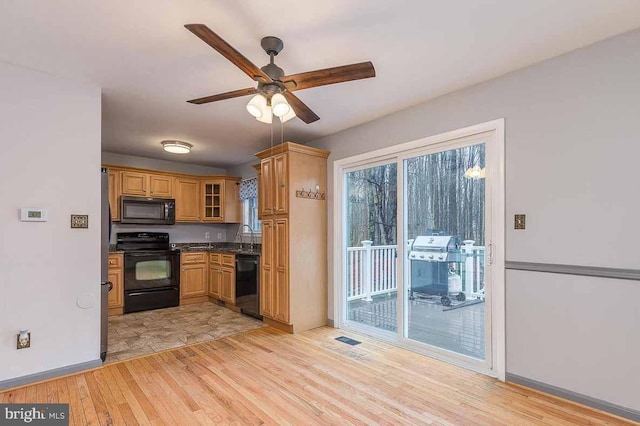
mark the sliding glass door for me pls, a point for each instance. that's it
(416, 244)
(371, 240)
(444, 230)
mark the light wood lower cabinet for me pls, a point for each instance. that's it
(228, 285)
(116, 277)
(222, 277)
(215, 278)
(274, 282)
(266, 269)
(193, 277)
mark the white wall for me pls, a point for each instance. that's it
(50, 138)
(244, 170)
(115, 159)
(571, 166)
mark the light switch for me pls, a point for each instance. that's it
(79, 221)
(519, 221)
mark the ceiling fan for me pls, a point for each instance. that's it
(274, 93)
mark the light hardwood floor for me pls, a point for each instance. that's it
(264, 376)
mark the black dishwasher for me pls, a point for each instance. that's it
(248, 285)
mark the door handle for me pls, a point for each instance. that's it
(491, 253)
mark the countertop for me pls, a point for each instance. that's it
(230, 248)
(112, 249)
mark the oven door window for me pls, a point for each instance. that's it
(148, 271)
(153, 270)
(143, 210)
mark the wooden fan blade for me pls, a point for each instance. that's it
(225, 49)
(221, 96)
(327, 76)
(301, 110)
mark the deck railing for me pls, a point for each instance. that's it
(372, 270)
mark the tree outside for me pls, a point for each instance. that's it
(445, 194)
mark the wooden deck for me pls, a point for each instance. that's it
(267, 377)
(459, 330)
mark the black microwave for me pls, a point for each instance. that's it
(147, 211)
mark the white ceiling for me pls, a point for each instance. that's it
(148, 65)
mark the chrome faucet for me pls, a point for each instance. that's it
(239, 234)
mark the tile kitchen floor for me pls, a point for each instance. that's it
(142, 333)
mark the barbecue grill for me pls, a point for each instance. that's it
(430, 256)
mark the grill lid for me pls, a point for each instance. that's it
(435, 248)
(432, 242)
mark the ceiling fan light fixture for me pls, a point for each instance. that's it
(291, 114)
(257, 106)
(267, 117)
(279, 105)
(176, 147)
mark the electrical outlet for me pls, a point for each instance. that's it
(23, 340)
(219, 236)
(207, 235)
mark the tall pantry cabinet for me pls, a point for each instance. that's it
(293, 272)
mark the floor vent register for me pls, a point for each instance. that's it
(347, 340)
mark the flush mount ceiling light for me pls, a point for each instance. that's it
(176, 147)
(275, 89)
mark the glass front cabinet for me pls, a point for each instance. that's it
(220, 200)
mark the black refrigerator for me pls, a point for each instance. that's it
(105, 285)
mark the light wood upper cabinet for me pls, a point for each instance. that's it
(187, 194)
(198, 198)
(265, 188)
(213, 196)
(146, 184)
(281, 184)
(221, 200)
(114, 194)
(134, 183)
(160, 186)
(273, 186)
